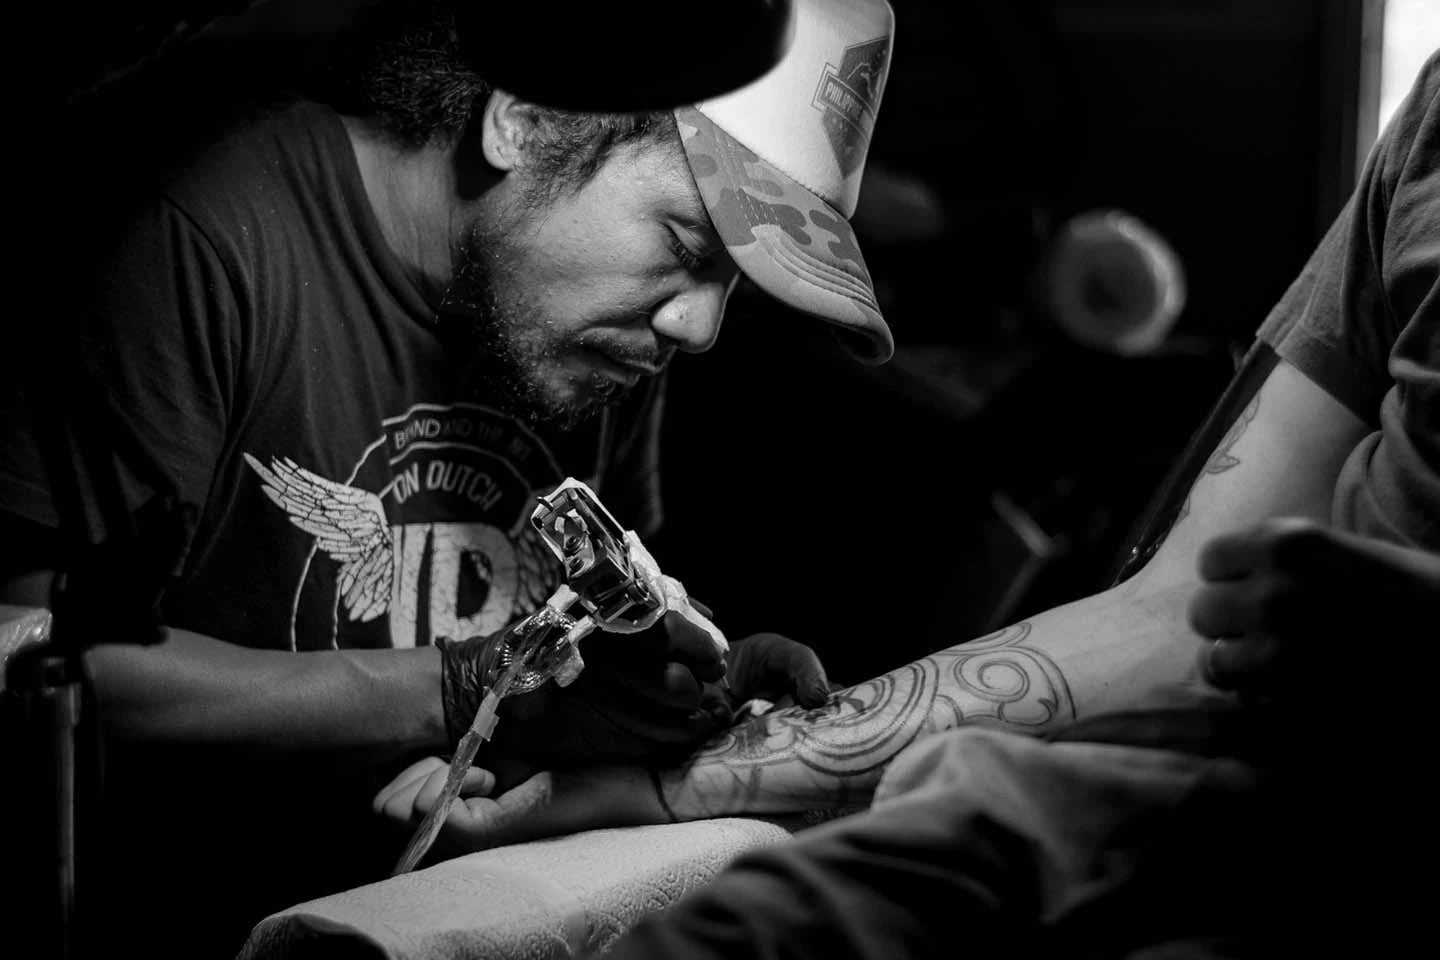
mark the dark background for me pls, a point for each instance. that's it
(993, 468)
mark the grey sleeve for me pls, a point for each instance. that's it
(1363, 321)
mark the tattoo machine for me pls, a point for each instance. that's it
(611, 575)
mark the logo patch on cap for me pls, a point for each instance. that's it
(847, 98)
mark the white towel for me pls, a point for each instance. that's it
(548, 898)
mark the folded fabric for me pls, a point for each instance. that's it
(548, 898)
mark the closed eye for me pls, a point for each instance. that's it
(688, 259)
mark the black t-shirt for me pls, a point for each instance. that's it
(257, 351)
(260, 351)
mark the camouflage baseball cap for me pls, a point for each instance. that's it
(779, 162)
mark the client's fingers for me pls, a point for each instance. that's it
(1241, 662)
(1232, 555)
(1297, 545)
(1225, 609)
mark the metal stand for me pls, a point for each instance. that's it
(110, 594)
(44, 694)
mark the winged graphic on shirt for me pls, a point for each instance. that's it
(349, 524)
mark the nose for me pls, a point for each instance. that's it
(690, 319)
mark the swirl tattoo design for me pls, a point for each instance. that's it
(833, 755)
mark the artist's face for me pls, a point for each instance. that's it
(584, 294)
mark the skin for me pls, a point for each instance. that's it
(594, 291)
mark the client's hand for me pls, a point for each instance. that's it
(545, 805)
(1281, 597)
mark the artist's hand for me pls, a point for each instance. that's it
(1285, 598)
(771, 667)
(642, 697)
(547, 804)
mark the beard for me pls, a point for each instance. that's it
(518, 353)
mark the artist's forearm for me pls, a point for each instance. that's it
(196, 689)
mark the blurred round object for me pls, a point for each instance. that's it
(1113, 283)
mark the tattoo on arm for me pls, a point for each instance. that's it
(1222, 459)
(833, 755)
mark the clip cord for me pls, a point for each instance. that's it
(480, 730)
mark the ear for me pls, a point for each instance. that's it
(505, 125)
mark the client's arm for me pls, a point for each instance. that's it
(798, 759)
(1126, 647)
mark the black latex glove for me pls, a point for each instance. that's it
(641, 698)
(773, 667)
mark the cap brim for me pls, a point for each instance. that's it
(785, 238)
